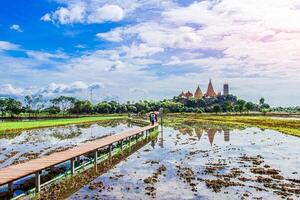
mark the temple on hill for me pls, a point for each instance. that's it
(198, 94)
(210, 92)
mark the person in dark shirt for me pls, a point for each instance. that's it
(152, 118)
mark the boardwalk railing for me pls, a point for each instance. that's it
(13, 173)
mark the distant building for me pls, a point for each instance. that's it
(225, 89)
(210, 93)
(198, 94)
(186, 95)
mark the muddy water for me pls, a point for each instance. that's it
(205, 162)
(34, 143)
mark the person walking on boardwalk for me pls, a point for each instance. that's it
(152, 118)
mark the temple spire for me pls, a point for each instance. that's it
(198, 93)
(210, 90)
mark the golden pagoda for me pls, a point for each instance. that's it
(210, 90)
(198, 94)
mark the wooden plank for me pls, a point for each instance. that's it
(15, 172)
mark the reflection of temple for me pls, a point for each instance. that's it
(186, 130)
(211, 135)
(226, 135)
(211, 132)
(199, 132)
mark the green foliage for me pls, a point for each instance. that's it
(249, 106)
(217, 108)
(13, 107)
(265, 111)
(63, 102)
(81, 107)
(103, 107)
(35, 104)
(261, 101)
(241, 105)
(52, 110)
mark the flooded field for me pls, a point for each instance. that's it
(26, 145)
(197, 161)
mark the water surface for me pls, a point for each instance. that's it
(34, 143)
(205, 162)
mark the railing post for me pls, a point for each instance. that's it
(37, 181)
(72, 166)
(109, 151)
(78, 160)
(95, 159)
(10, 187)
(121, 145)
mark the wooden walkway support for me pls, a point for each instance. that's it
(14, 172)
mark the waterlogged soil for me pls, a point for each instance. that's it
(31, 144)
(198, 161)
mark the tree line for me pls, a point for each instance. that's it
(35, 105)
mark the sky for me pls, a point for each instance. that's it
(150, 49)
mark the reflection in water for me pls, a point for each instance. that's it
(211, 135)
(161, 139)
(226, 135)
(188, 167)
(34, 143)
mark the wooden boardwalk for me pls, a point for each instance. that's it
(14, 172)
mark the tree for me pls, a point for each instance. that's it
(82, 107)
(52, 110)
(228, 106)
(241, 105)
(216, 108)
(13, 107)
(131, 109)
(264, 111)
(249, 106)
(3, 105)
(103, 108)
(28, 104)
(172, 106)
(261, 101)
(34, 104)
(37, 103)
(122, 108)
(63, 102)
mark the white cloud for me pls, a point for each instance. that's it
(81, 12)
(44, 56)
(80, 46)
(72, 88)
(16, 27)
(73, 14)
(112, 36)
(46, 17)
(111, 13)
(8, 90)
(141, 50)
(4, 45)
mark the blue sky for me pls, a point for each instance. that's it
(150, 49)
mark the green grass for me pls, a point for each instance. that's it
(287, 126)
(6, 127)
